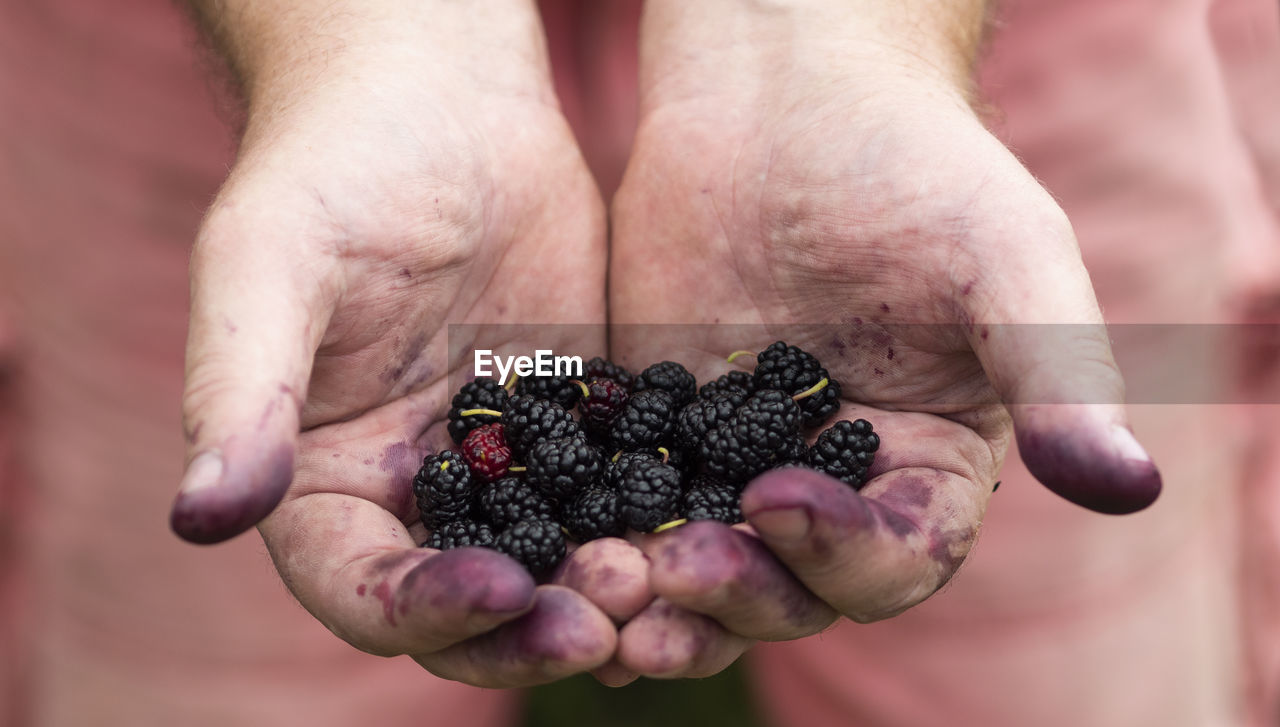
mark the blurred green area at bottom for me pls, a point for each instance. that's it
(581, 701)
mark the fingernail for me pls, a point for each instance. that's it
(1127, 445)
(785, 524)
(203, 472)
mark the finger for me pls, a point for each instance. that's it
(562, 635)
(614, 674)
(354, 566)
(1042, 342)
(255, 324)
(869, 555)
(612, 573)
(665, 641)
(729, 575)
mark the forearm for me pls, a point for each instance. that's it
(770, 38)
(276, 46)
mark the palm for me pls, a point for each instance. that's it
(417, 256)
(854, 243)
(863, 232)
(383, 231)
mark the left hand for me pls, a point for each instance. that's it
(847, 185)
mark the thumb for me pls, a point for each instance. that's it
(1045, 348)
(255, 325)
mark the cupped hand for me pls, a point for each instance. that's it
(845, 197)
(384, 192)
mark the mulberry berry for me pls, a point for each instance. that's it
(482, 393)
(560, 468)
(538, 545)
(594, 514)
(444, 488)
(647, 420)
(486, 451)
(792, 370)
(509, 500)
(670, 377)
(649, 495)
(846, 451)
(528, 420)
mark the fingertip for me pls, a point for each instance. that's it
(696, 559)
(486, 586)
(783, 505)
(1098, 466)
(612, 573)
(219, 498)
(614, 674)
(563, 634)
(668, 642)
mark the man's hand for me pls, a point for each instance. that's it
(819, 173)
(405, 167)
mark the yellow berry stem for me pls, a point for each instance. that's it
(812, 389)
(670, 525)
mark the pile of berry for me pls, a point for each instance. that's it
(644, 452)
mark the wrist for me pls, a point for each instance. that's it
(281, 50)
(868, 42)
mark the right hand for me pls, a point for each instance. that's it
(411, 175)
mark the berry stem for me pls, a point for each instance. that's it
(477, 412)
(581, 385)
(517, 468)
(736, 354)
(665, 454)
(670, 525)
(511, 383)
(812, 389)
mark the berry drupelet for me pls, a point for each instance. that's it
(846, 451)
(444, 488)
(482, 393)
(538, 545)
